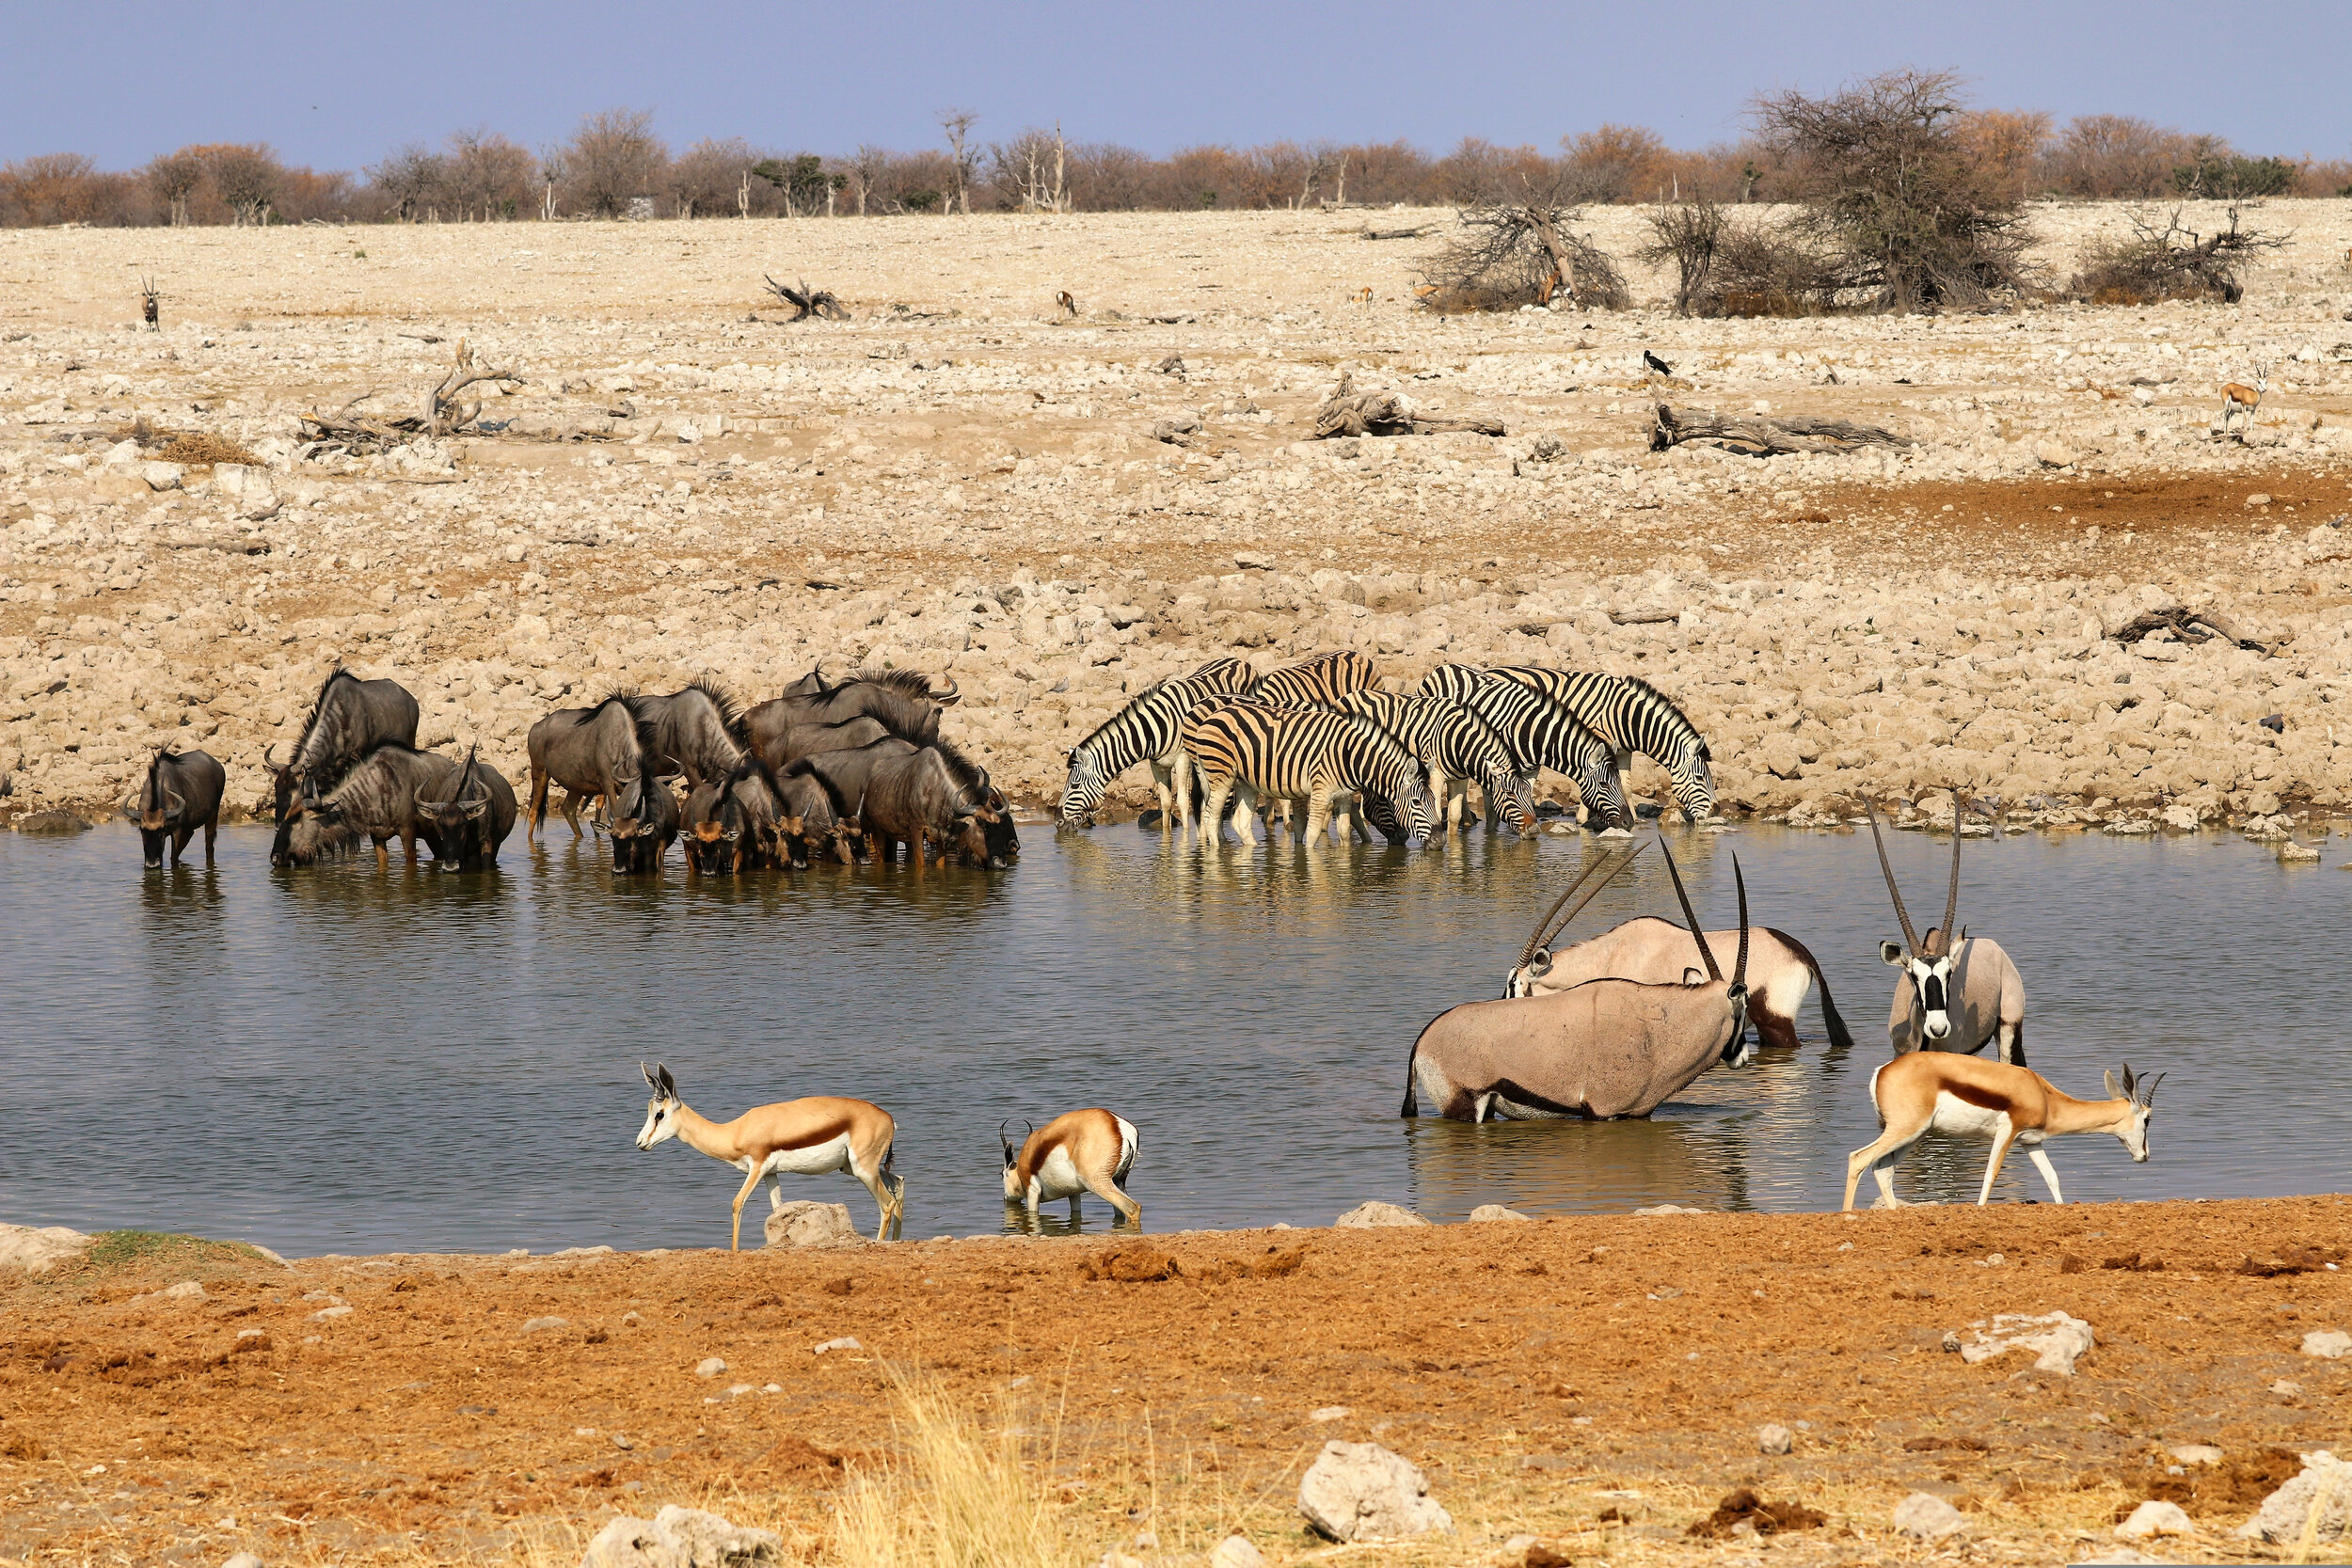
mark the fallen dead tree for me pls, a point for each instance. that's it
(1758, 436)
(447, 410)
(1348, 412)
(807, 302)
(2189, 626)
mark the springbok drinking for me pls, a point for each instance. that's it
(1953, 996)
(1076, 1153)
(814, 1136)
(1931, 1092)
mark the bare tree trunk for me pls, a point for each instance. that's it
(1562, 259)
(1760, 438)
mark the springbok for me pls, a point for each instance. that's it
(1780, 968)
(1605, 1049)
(814, 1136)
(1959, 1096)
(2238, 398)
(1076, 1153)
(1990, 992)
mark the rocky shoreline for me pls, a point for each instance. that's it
(1058, 515)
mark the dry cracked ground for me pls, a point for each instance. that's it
(1597, 1382)
(966, 478)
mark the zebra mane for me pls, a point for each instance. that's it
(1377, 733)
(1661, 704)
(1133, 704)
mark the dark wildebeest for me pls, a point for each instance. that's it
(787, 746)
(901, 700)
(182, 792)
(931, 799)
(379, 799)
(732, 825)
(350, 717)
(830, 829)
(696, 732)
(594, 752)
(466, 829)
(644, 818)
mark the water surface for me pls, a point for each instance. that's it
(341, 1060)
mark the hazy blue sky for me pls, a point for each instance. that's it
(335, 87)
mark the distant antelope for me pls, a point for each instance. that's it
(150, 305)
(1954, 995)
(1076, 1153)
(1549, 287)
(1067, 303)
(1363, 296)
(2238, 398)
(808, 1137)
(1927, 1093)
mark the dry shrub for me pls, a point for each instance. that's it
(961, 1495)
(1766, 269)
(199, 448)
(1507, 255)
(2165, 261)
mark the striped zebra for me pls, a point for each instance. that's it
(1294, 753)
(1541, 732)
(1633, 716)
(1146, 731)
(1324, 678)
(1457, 746)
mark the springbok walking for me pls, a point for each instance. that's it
(1959, 1096)
(1953, 996)
(2237, 399)
(1076, 1153)
(807, 1137)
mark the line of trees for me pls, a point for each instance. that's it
(616, 165)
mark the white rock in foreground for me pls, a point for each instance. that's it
(2285, 1512)
(2327, 1344)
(2154, 1518)
(812, 1224)
(1487, 1214)
(1927, 1517)
(1236, 1551)
(2057, 1340)
(681, 1538)
(39, 1251)
(1366, 1215)
(1362, 1491)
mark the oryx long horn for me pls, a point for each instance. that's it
(1714, 970)
(1576, 909)
(1951, 898)
(1739, 969)
(1911, 937)
(1544, 928)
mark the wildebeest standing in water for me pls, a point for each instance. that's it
(182, 792)
(902, 700)
(350, 717)
(467, 828)
(929, 798)
(644, 818)
(696, 732)
(594, 752)
(380, 798)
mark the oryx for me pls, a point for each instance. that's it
(1780, 969)
(1953, 996)
(1607, 1048)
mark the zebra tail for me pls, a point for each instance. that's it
(1840, 1038)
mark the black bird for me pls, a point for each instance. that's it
(1657, 364)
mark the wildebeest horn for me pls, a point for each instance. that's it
(1545, 930)
(1951, 898)
(269, 759)
(1911, 937)
(1739, 969)
(950, 697)
(1714, 970)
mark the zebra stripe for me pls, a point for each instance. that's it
(1146, 731)
(1456, 745)
(1324, 678)
(1540, 732)
(1633, 716)
(1298, 753)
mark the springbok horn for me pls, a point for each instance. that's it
(1911, 937)
(1739, 969)
(2147, 1096)
(1002, 1139)
(1951, 898)
(1714, 970)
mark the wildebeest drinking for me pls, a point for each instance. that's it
(180, 793)
(350, 717)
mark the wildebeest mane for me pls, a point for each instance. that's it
(730, 712)
(967, 772)
(913, 683)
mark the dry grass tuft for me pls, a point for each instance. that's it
(201, 447)
(962, 1495)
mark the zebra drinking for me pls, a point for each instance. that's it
(1300, 752)
(1633, 716)
(1146, 731)
(1457, 746)
(1541, 732)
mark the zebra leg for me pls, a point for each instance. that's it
(1245, 814)
(1160, 776)
(1212, 823)
(1181, 783)
(1318, 816)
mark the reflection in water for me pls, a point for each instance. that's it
(342, 1059)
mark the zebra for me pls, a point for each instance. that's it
(1324, 678)
(1633, 716)
(1457, 746)
(1146, 731)
(1541, 732)
(1300, 752)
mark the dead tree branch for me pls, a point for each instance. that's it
(442, 411)
(2189, 626)
(1757, 437)
(807, 302)
(356, 435)
(1348, 412)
